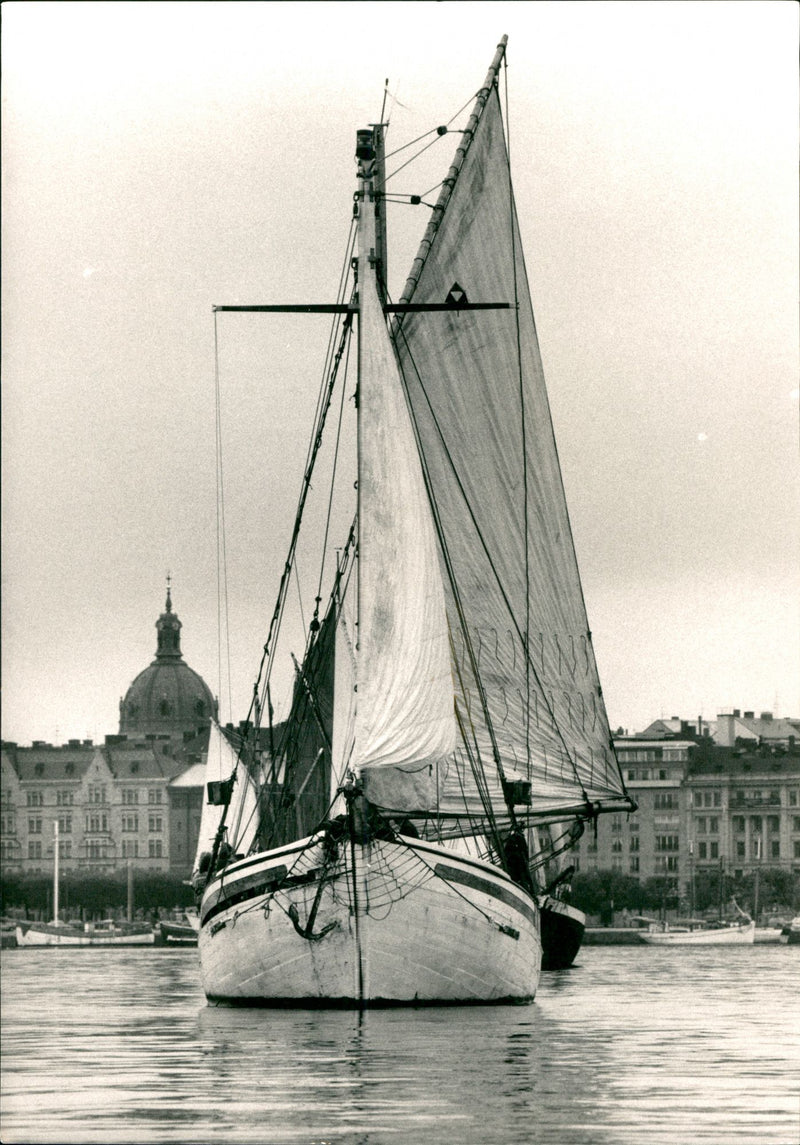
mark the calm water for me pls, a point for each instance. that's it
(633, 1045)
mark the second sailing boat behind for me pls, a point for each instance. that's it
(375, 848)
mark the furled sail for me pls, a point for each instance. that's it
(527, 690)
(404, 721)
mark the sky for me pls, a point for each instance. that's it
(159, 159)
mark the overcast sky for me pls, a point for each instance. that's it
(161, 158)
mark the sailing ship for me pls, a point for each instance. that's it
(378, 846)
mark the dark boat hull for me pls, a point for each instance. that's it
(562, 933)
(176, 934)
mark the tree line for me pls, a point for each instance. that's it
(599, 892)
(92, 897)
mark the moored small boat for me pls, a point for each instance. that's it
(563, 927)
(721, 935)
(790, 934)
(105, 933)
(176, 932)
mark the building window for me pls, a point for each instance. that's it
(130, 848)
(701, 825)
(97, 794)
(64, 798)
(7, 825)
(796, 822)
(702, 849)
(65, 848)
(662, 774)
(616, 822)
(755, 824)
(616, 845)
(34, 826)
(155, 823)
(35, 798)
(665, 801)
(633, 843)
(154, 796)
(129, 795)
(775, 848)
(667, 842)
(130, 822)
(740, 853)
(634, 824)
(714, 850)
(634, 864)
(155, 848)
(773, 823)
(35, 849)
(796, 848)
(738, 824)
(713, 825)
(65, 824)
(631, 773)
(793, 793)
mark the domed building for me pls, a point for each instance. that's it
(168, 698)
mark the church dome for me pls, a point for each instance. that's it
(168, 697)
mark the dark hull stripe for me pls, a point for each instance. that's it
(265, 883)
(468, 879)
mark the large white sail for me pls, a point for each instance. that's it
(527, 683)
(404, 712)
(240, 815)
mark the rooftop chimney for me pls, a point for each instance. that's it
(766, 715)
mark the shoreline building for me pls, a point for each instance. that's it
(732, 807)
(135, 799)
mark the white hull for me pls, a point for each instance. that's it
(44, 934)
(417, 924)
(723, 936)
(767, 934)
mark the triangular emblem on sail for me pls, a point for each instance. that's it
(457, 296)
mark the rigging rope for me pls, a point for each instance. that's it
(222, 560)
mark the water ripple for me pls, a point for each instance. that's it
(632, 1044)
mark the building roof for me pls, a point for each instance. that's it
(193, 776)
(765, 763)
(167, 697)
(42, 761)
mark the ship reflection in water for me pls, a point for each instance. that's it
(631, 1044)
